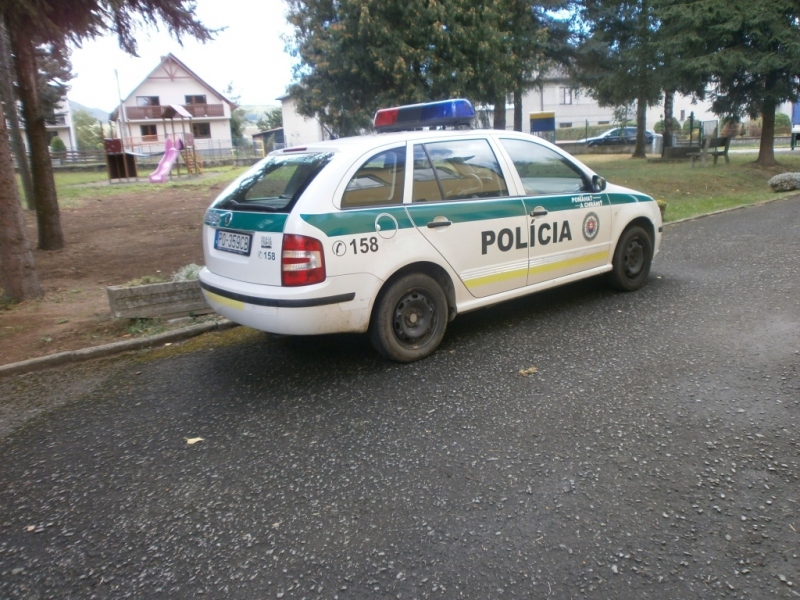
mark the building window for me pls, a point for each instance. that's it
(195, 100)
(149, 133)
(201, 130)
(147, 101)
(564, 125)
(604, 122)
(565, 95)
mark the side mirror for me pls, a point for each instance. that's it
(598, 184)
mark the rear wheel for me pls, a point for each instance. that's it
(632, 260)
(409, 319)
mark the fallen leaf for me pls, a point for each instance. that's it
(528, 371)
(192, 441)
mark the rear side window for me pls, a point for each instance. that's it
(456, 170)
(542, 170)
(379, 181)
(275, 185)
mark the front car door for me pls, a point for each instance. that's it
(568, 226)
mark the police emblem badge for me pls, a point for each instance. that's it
(591, 225)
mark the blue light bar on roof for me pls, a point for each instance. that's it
(430, 114)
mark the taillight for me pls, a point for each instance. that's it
(302, 261)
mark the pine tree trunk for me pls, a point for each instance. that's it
(518, 109)
(766, 151)
(641, 122)
(8, 99)
(669, 103)
(500, 112)
(48, 218)
(18, 272)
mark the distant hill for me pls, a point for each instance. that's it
(95, 112)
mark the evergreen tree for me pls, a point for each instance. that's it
(271, 119)
(748, 53)
(356, 56)
(618, 58)
(34, 22)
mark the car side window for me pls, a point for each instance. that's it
(542, 170)
(379, 181)
(456, 170)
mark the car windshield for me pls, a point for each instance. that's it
(274, 185)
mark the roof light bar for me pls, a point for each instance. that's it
(430, 114)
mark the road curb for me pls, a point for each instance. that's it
(72, 356)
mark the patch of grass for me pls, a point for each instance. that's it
(209, 342)
(188, 272)
(6, 302)
(144, 280)
(145, 327)
(75, 188)
(690, 191)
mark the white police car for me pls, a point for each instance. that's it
(395, 234)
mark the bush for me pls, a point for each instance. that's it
(57, 145)
(187, 273)
(578, 133)
(783, 123)
(676, 126)
(695, 126)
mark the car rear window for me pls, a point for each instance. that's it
(274, 185)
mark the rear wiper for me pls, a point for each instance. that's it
(246, 207)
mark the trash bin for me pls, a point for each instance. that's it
(658, 144)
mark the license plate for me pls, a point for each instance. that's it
(238, 243)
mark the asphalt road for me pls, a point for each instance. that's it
(654, 453)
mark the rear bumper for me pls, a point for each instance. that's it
(338, 305)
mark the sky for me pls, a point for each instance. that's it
(249, 53)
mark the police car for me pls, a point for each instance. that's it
(397, 233)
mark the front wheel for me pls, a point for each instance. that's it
(409, 319)
(632, 259)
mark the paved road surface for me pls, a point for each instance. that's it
(655, 453)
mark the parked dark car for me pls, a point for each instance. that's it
(618, 136)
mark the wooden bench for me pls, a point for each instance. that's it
(715, 147)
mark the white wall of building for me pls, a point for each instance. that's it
(299, 130)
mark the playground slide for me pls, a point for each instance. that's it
(161, 174)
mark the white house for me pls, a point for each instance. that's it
(297, 129)
(61, 126)
(141, 118)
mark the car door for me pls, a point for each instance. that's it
(568, 226)
(460, 203)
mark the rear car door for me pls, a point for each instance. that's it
(460, 202)
(568, 226)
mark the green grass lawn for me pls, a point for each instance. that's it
(687, 191)
(75, 188)
(694, 191)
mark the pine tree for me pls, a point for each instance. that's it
(747, 52)
(31, 23)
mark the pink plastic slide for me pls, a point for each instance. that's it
(161, 174)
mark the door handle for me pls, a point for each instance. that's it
(539, 211)
(435, 224)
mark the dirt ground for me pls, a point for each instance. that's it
(109, 242)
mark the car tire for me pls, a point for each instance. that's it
(632, 259)
(409, 319)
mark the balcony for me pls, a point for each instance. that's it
(56, 121)
(134, 113)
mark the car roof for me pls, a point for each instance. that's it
(376, 140)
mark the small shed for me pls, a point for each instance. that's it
(269, 140)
